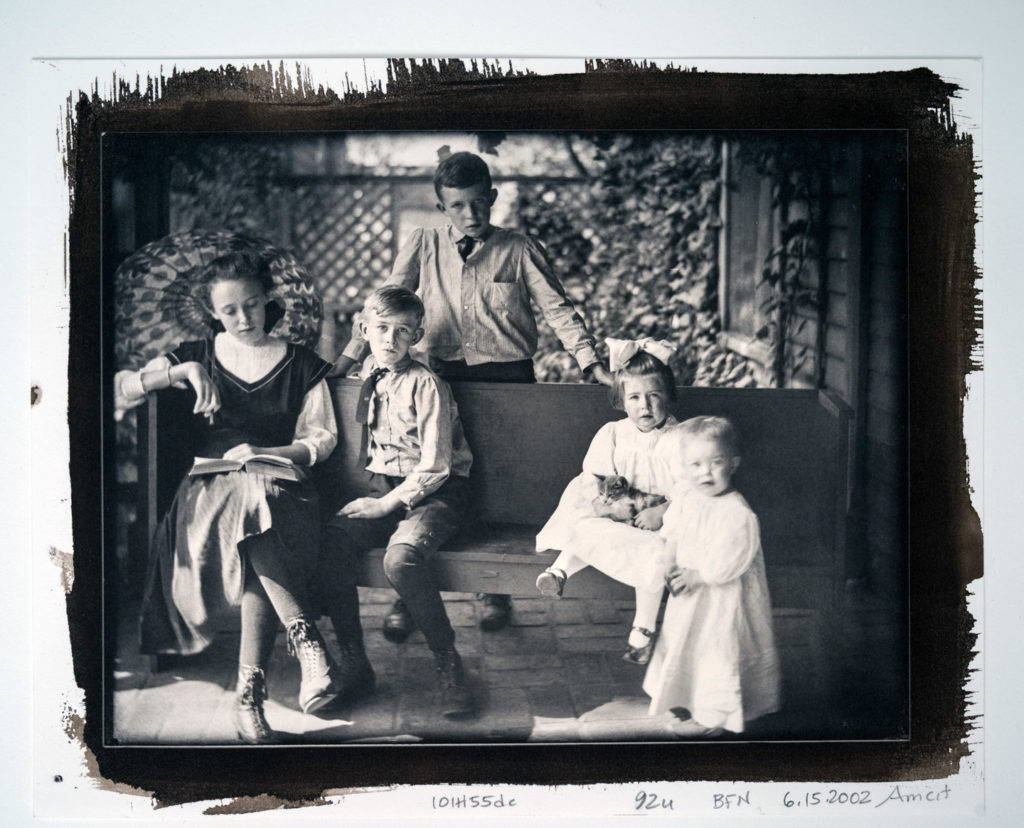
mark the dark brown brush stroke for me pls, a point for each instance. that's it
(945, 550)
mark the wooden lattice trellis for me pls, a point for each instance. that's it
(343, 233)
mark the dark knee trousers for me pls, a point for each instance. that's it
(411, 536)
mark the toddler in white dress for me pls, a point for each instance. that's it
(716, 655)
(641, 448)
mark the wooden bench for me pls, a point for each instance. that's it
(528, 441)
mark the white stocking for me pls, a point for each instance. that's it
(646, 615)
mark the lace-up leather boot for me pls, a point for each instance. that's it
(250, 723)
(316, 687)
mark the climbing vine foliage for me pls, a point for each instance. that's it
(798, 170)
(636, 245)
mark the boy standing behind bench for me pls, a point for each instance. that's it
(419, 479)
(477, 283)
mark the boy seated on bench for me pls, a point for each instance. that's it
(480, 284)
(419, 479)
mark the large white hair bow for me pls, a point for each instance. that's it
(621, 351)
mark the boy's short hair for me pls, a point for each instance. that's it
(641, 365)
(461, 170)
(719, 429)
(391, 299)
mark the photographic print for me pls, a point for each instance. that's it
(485, 413)
(735, 248)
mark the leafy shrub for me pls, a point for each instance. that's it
(636, 246)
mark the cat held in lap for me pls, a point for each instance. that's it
(619, 501)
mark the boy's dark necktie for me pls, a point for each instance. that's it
(466, 245)
(363, 410)
(366, 392)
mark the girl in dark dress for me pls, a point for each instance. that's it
(242, 538)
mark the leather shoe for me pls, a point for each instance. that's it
(495, 612)
(640, 655)
(691, 728)
(250, 723)
(551, 582)
(316, 685)
(456, 698)
(358, 687)
(353, 688)
(398, 623)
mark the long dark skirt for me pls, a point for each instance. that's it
(196, 572)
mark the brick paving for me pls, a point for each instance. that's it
(555, 674)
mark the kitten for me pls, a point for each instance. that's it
(619, 501)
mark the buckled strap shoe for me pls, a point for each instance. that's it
(640, 655)
(551, 582)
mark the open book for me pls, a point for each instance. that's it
(268, 464)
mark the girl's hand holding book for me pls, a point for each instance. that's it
(244, 452)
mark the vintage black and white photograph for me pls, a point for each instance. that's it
(531, 410)
(470, 426)
(504, 436)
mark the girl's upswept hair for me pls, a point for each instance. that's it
(240, 266)
(391, 299)
(719, 429)
(461, 170)
(641, 365)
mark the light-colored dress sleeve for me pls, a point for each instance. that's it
(671, 447)
(124, 400)
(316, 427)
(732, 539)
(600, 457)
(670, 520)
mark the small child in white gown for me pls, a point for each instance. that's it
(642, 449)
(716, 655)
